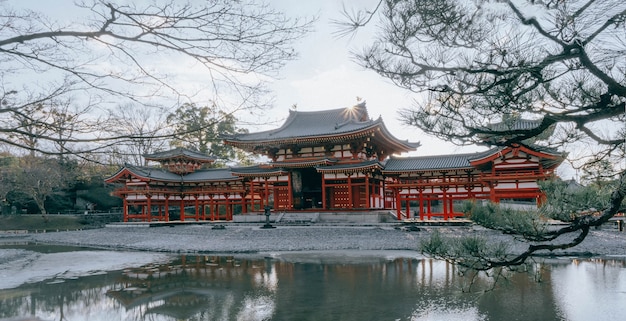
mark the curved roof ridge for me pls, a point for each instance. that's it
(408, 144)
(313, 123)
(179, 152)
(290, 119)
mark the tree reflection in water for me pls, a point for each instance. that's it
(309, 286)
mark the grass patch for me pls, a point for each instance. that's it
(37, 222)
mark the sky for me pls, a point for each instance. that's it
(325, 76)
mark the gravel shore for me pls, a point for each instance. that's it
(235, 238)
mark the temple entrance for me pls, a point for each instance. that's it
(307, 188)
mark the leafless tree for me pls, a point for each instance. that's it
(142, 124)
(559, 63)
(37, 179)
(115, 53)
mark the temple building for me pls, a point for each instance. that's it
(331, 160)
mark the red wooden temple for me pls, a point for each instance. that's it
(331, 160)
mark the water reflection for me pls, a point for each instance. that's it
(214, 288)
(314, 286)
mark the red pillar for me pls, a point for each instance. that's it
(125, 210)
(197, 207)
(244, 205)
(421, 200)
(211, 207)
(444, 204)
(267, 195)
(149, 206)
(408, 204)
(367, 191)
(203, 207)
(229, 209)
(324, 205)
(182, 207)
(289, 192)
(398, 204)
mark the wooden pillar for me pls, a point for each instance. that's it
(367, 191)
(125, 210)
(444, 204)
(444, 195)
(167, 207)
(143, 211)
(421, 200)
(149, 206)
(244, 204)
(383, 192)
(398, 203)
(197, 207)
(203, 207)
(182, 207)
(492, 184)
(229, 210)
(267, 195)
(408, 204)
(450, 206)
(429, 208)
(324, 205)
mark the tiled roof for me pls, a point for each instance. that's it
(314, 123)
(513, 128)
(257, 170)
(515, 124)
(318, 128)
(202, 175)
(213, 174)
(437, 162)
(550, 161)
(402, 164)
(351, 167)
(307, 162)
(179, 153)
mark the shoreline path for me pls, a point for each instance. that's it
(235, 238)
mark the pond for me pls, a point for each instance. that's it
(60, 283)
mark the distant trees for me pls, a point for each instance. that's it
(560, 63)
(201, 129)
(46, 185)
(37, 179)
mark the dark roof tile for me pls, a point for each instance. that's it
(436, 162)
(202, 175)
(314, 123)
(179, 152)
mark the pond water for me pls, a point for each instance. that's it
(45, 283)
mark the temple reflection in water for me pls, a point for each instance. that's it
(313, 286)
